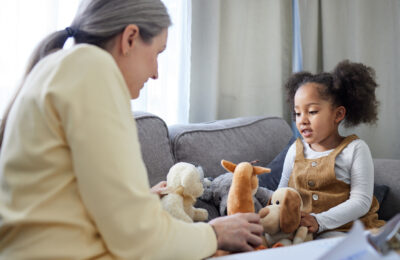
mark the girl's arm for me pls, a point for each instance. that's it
(361, 191)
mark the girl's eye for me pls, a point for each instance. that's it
(313, 112)
(296, 114)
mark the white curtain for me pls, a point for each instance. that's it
(24, 23)
(168, 96)
(243, 56)
(366, 31)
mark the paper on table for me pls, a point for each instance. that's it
(310, 250)
(353, 246)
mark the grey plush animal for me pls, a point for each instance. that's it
(216, 192)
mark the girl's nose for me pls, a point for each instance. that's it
(303, 119)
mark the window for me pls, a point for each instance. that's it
(24, 23)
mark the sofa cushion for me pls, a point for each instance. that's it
(380, 192)
(391, 204)
(155, 146)
(272, 179)
(236, 140)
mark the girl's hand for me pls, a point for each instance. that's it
(309, 221)
(160, 189)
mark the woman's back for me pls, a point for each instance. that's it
(39, 202)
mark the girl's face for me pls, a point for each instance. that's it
(316, 118)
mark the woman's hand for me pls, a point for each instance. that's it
(309, 221)
(238, 232)
(160, 189)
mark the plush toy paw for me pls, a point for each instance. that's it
(200, 214)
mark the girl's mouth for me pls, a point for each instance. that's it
(306, 133)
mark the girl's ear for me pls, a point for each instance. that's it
(340, 114)
(129, 37)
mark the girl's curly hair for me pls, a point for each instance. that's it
(350, 84)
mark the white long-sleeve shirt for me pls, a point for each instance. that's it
(73, 184)
(354, 166)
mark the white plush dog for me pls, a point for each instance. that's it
(184, 185)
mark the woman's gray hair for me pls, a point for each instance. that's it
(97, 22)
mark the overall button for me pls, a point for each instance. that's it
(315, 196)
(311, 183)
(313, 164)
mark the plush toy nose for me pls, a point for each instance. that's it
(263, 212)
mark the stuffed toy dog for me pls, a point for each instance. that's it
(244, 186)
(184, 186)
(281, 219)
(216, 192)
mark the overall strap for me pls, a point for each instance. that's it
(299, 149)
(343, 144)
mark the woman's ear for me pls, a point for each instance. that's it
(128, 38)
(340, 114)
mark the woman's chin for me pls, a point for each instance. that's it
(135, 93)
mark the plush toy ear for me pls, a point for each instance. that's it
(259, 170)
(229, 166)
(290, 212)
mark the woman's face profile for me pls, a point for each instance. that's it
(137, 59)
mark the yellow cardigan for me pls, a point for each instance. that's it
(73, 184)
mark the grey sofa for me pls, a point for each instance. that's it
(237, 140)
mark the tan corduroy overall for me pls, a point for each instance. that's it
(315, 179)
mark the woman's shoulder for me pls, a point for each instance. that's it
(86, 54)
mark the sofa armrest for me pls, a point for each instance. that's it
(155, 146)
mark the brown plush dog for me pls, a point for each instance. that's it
(244, 186)
(281, 219)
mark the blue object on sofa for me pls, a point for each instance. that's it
(271, 181)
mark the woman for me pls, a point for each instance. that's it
(73, 183)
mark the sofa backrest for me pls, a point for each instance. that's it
(237, 140)
(206, 144)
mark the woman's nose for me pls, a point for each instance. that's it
(155, 76)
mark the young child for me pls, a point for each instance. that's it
(334, 174)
